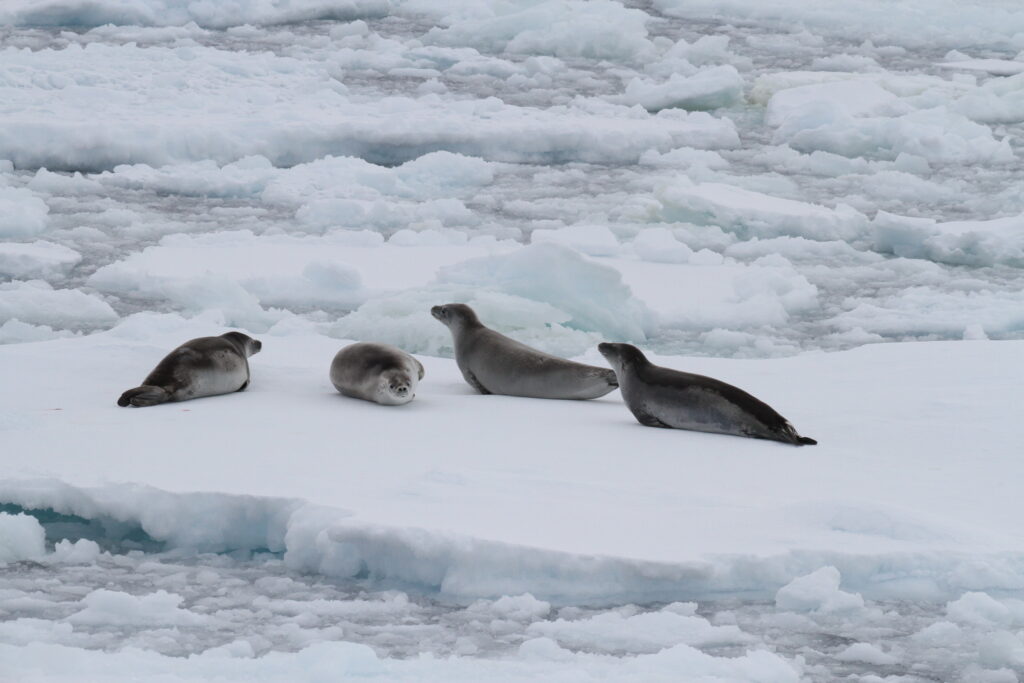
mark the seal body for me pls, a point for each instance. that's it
(380, 373)
(662, 397)
(494, 364)
(206, 366)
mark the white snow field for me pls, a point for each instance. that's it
(818, 202)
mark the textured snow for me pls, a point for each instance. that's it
(818, 592)
(329, 660)
(21, 538)
(113, 607)
(976, 243)
(36, 260)
(912, 23)
(864, 652)
(754, 214)
(240, 105)
(36, 302)
(996, 67)
(711, 88)
(598, 29)
(22, 214)
(651, 632)
(174, 12)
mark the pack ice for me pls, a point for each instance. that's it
(819, 205)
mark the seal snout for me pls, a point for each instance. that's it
(437, 312)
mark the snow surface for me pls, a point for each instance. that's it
(931, 500)
(737, 186)
(584, 507)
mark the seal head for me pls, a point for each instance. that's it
(245, 343)
(456, 316)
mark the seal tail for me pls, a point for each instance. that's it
(146, 395)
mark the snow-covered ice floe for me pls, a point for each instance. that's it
(336, 488)
(582, 510)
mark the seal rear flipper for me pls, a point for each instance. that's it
(146, 395)
(788, 434)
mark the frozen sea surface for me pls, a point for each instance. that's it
(184, 605)
(737, 179)
(816, 188)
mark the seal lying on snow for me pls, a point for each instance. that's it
(661, 397)
(376, 372)
(206, 366)
(494, 364)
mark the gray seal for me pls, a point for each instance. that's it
(494, 364)
(206, 366)
(662, 397)
(374, 372)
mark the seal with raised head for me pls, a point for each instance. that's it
(662, 397)
(380, 373)
(494, 364)
(206, 366)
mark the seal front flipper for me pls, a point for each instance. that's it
(648, 420)
(144, 396)
(475, 383)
